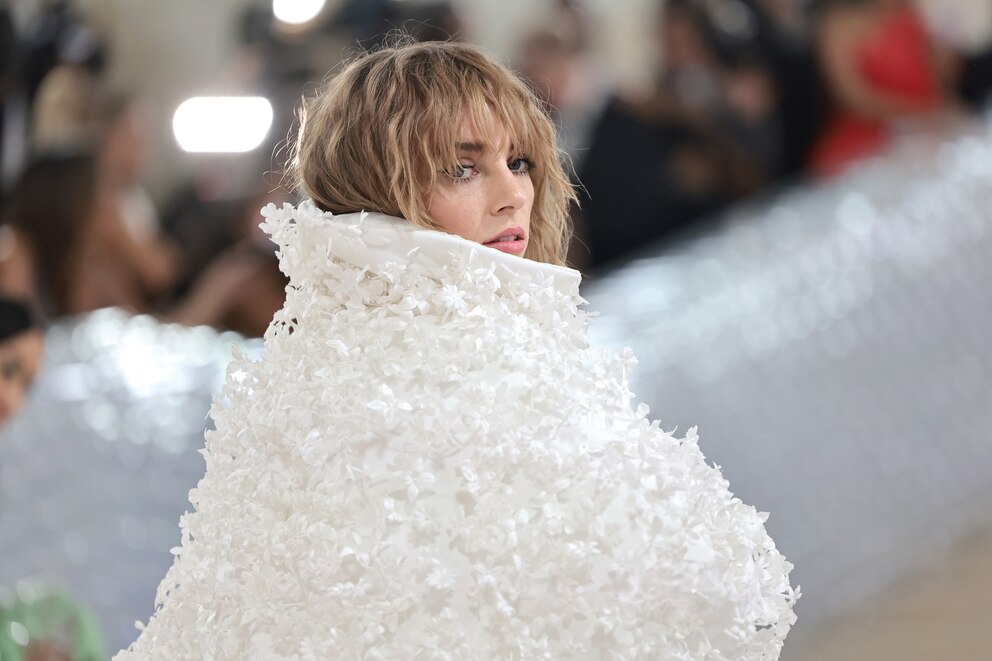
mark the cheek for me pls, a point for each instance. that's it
(456, 211)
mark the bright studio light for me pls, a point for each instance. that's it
(296, 11)
(222, 124)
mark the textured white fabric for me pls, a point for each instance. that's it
(428, 461)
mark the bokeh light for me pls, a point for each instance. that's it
(296, 11)
(222, 124)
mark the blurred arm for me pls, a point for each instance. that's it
(154, 263)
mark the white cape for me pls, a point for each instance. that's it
(429, 462)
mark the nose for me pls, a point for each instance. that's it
(508, 194)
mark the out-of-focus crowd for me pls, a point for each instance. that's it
(751, 95)
(747, 95)
(79, 230)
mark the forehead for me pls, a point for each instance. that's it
(482, 131)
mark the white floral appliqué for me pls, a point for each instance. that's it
(430, 462)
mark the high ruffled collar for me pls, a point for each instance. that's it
(381, 243)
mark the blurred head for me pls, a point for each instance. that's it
(394, 130)
(685, 35)
(51, 205)
(21, 344)
(547, 61)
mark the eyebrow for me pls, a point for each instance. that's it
(475, 147)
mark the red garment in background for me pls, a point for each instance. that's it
(895, 59)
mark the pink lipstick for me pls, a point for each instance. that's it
(511, 240)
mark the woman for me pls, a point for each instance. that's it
(47, 227)
(64, 240)
(881, 68)
(428, 461)
(129, 246)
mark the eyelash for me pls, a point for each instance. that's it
(456, 173)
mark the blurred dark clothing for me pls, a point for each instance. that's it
(976, 80)
(644, 179)
(801, 93)
(14, 110)
(202, 228)
(736, 107)
(374, 22)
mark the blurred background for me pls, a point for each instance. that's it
(784, 211)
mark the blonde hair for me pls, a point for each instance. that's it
(380, 132)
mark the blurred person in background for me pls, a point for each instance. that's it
(882, 69)
(14, 112)
(128, 246)
(51, 212)
(371, 21)
(708, 134)
(975, 84)
(21, 345)
(201, 216)
(243, 287)
(429, 21)
(73, 112)
(716, 78)
(773, 34)
(556, 61)
(65, 246)
(64, 65)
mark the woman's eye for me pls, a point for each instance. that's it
(519, 165)
(461, 172)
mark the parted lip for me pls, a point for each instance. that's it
(512, 230)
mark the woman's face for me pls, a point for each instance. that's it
(487, 195)
(19, 360)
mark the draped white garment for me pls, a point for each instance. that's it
(429, 461)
